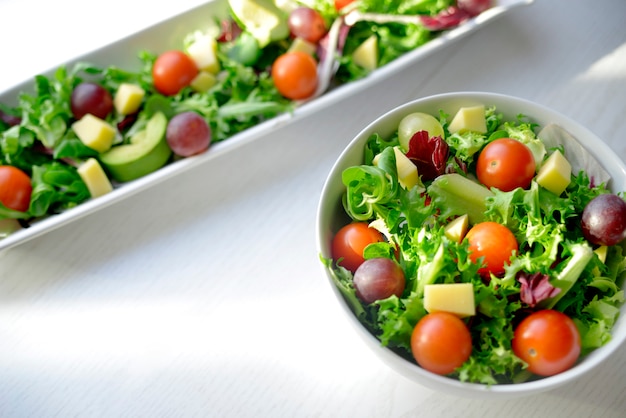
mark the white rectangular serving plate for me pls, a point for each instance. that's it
(169, 34)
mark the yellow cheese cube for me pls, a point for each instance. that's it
(203, 81)
(94, 177)
(407, 171)
(303, 45)
(128, 98)
(455, 298)
(366, 54)
(456, 229)
(94, 132)
(203, 51)
(376, 159)
(469, 119)
(601, 252)
(555, 174)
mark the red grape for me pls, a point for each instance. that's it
(378, 278)
(188, 134)
(604, 220)
(307, 23)
(91, 98)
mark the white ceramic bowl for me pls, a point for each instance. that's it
(331, 217)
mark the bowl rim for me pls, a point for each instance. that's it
(411, 370)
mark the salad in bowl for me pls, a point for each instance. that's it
(475, 240)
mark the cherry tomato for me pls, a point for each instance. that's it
(340, 4)
(506, 164)
(493, 241)
(172, 71)
(548, 341)
(15, 188)
(350, 241)
(307, 23)
(441, 342)
(295, 75)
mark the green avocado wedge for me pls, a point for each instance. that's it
(263, 19)
(147, 152)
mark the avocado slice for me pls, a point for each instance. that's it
(147, 152)
(263, 19)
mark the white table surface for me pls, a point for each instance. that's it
(203, 296)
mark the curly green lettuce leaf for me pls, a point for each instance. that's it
(368, 188)
(56, 187)
(524, 132)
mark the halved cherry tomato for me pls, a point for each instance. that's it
(548, 341)
(505, 164)
(295, 75)
(172, 71)
(495, 243)
(350, 241)
(15, 188)
(441, 342)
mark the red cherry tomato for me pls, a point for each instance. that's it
(441, 342)
(295, 75)
(548, 341)
(15, 188)
(350, 241)
(172, 71)
(493, 241)
(505, 164)
(340, 4)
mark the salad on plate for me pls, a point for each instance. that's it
(85, 130)
(482, 248)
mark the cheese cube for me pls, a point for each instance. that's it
(366, 54)
(128, 98)
(407, 171)
(456, 229)
(455, 298)
(555, 174)
(601, 252)
(203, 51)
(94, 132)
(94, 177)
(469, 119)
(203, 81)
(303, 45)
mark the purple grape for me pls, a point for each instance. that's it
(91, 98)
(378, 278)
(604, 220)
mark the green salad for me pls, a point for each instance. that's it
(481, 248)
(86, 129)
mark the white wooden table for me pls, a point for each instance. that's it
(203, 296)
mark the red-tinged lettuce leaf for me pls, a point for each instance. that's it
(449, 18)
(229, 31)
(455, 15)
(430, 155)
(535, 288)
(474, 7)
